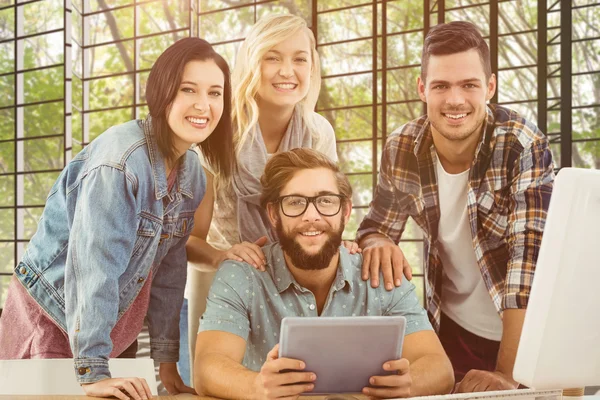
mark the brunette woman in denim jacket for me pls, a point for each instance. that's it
(110, 246)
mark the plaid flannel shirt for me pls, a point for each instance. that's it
(509, 189)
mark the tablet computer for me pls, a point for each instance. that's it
(344, 352)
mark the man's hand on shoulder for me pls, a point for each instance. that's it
(380, 252)
(484, 381)
(271, 383)
(391, 386)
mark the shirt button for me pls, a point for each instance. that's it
(23, 270)
(140, 280)
(82, 370)
(312, 306)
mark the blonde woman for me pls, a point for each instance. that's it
(276, 81)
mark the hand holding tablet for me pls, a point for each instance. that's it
(346, 354)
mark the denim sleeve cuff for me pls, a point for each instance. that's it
(90, 370)
(163, 350)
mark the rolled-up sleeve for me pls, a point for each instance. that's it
(227, 305)
(385, 215)
(530, 194)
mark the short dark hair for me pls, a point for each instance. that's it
(161, 90)
(451, 38)
(282, 166)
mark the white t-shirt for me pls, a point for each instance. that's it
(465, 298)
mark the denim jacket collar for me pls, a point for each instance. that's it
(159, 172)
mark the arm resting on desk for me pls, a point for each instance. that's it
(218, 363)
(430, 368)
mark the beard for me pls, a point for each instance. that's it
(303, 260)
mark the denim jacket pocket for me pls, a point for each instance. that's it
(184, 226)
(147, 230)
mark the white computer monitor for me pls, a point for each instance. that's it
(560, 342)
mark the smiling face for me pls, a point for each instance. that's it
(197, 108)
(456, 92)
(285, 71)
(310, 240)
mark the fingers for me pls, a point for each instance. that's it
(115, 393)
(274, 353)
(282, 364)
(139, 387)
(289, 391)
(366, 264)
(248, 252)
(261, 241)
(146, 388)
(401, 366)
(131, 390)
(374, 269)
(398, 262)
(386, 268)
(351, 246)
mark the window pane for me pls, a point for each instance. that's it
(111, 92)
(404, 49)
(7, 191)
(302, 8)
(41, 51)
(477, 15)
(586, 155)
(226, 25)
(586, 56)
(76, 93)
(412, 230)
(37, 186)
(7, 23)
(355, 156)
(142, 80)
(399, 114)
(404, 15)
(76, 127)
(516, 16)
(97, 5)
(43, 16)
(348, 57)
(7, 157)
(120, 21)
(331, 4)
(517, 50)
(210, 5)
(7, 57)
(162, 16)
(346, 91)
(402, 84)
(7, 263)
(228, 51)
(356, 217)
(585, 88)
(142, 112)
(362, 189)
(43, 85)
(585, 23)
(7, 90)
(353, 123)
(29, 218)
(77, 27)
(101, 121)
(43, 119)
(152, 47)
(111, 59)
(586, 123)
(518, 84)
(347, 24)
(7, 127)
(7, 224)
(43, 154)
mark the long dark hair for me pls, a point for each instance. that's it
(161, 89)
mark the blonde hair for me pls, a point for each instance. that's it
(264, 35)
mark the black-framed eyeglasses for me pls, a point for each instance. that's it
(327, 205)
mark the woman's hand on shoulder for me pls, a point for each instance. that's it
(248, 252)
(121, 388)
(352, 246)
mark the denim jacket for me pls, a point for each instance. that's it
(108, 223)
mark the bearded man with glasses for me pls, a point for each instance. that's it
(308, 273)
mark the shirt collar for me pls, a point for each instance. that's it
(283, 277)
(159, 172)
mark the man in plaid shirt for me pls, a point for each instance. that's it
(477, 179)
